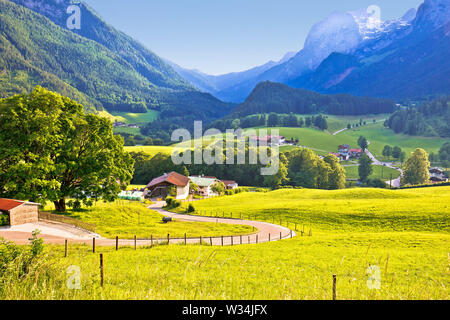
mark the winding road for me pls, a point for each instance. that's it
(58, 233)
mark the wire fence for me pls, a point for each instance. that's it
(63, 219)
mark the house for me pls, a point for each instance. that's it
(19, 212)
(204, 185)
(230, 184)
(159, 187)
(344, 148)
(277, 140)
(438, 175)
(355, 153)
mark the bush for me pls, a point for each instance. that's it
(376, 183)
(4, 220)
(190, 208)
(169, 201)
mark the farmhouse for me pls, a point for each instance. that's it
(275, 140)
(160, 187)
(204, 185)
(230, 184)
(438, 175)
(19, 212)
(355, 153)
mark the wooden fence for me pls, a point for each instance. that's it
(60, 218)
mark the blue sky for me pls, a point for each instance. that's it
(221, 36)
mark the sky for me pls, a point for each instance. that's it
(222, 36)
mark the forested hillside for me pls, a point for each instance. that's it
(115, 73)
(429, 119)
(276, 97)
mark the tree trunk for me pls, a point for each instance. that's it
(60, 205)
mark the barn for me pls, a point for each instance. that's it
(19, 212)
(159, 187)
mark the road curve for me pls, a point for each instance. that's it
(265, 232)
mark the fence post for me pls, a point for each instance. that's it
(117, 243)
(151, 240)
(200, 240)
(210, 241)
(93, 245)
(135, 242)
(185, 239)
(101, 269)
(222, 240)
(240, 238)
(231, 240)
(334, 287)
(269, 237)
(65, 252)
(168, 238)
(280, 236)
(256, 238)
(291, 233)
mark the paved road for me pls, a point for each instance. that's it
(265, 232)
(396, 183)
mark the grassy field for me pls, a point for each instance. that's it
(403, 233)
(323, 142)
(127, 218)
(379, 172)
(151, 150)
(128, 117)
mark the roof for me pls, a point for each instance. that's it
(355, 150)
(344, 146)
(9, 204)
(228, 182)
(171, 178)
(203, 182)
(209, 177)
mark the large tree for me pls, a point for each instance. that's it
(365, 168)
(52, 150)
(416, 169)
(363, 143)
(337, 176)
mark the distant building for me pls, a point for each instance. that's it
(159, 187)
(230, 184)
(438, 175)
(19, 212)
(204, 185)
(276, 140)
(355, 153)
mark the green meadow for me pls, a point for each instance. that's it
(405, 234)
(379, 172)
(127, 219)
(151, 150)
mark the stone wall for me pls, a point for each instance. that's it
(26, 213)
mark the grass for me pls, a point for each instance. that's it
(151, 150)
(129, 118)
(406, 233)
(127, 218)
(323, 142)
(379, 172)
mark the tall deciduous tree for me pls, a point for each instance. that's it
(365, 168)
(337, 177)
(52, 150)
(417, 168)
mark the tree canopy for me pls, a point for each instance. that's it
(52, 150)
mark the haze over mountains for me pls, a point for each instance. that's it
(415, 45)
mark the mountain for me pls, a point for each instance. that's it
(96, 65)
(216, 84)
(342, 33)
(406, 62)
(270, 97)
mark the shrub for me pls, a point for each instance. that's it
(190, 208)
(376, 183)
(169, 201)
(4, 220)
